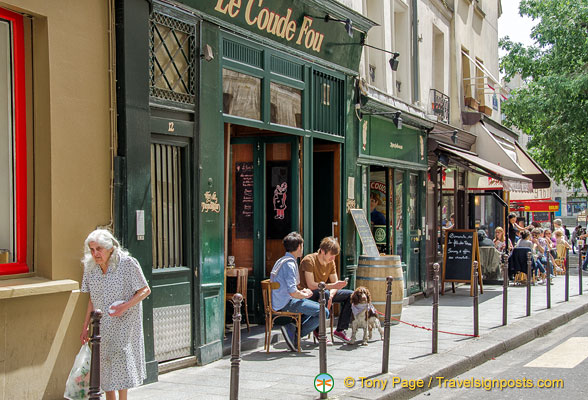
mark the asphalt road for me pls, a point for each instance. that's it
(559, 358)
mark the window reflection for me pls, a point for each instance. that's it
(286, 105)
(241, 95)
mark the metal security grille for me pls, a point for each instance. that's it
(166, 203)
(172, 60)
(328, 104)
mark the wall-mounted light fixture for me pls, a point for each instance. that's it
(347, 22)
(397, 119)
(207, 53)
(453, 134)
(393, 61)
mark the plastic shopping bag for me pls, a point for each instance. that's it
(78, 383)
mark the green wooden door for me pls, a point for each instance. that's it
(172, 280)
(414, 230)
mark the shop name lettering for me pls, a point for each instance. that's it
(396, 146)
(271, 22)
(210, 203)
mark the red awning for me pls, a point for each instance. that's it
(543, 205)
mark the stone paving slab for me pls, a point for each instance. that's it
(286, 375)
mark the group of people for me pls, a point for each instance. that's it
(299, 292)
(543, 242)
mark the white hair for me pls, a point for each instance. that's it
(105, 239)
(557, 222)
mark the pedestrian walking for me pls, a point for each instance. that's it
(117, 286)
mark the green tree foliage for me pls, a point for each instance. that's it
(552, 105)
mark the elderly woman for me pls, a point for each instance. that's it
(117, 286)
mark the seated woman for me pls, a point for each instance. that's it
(533, 244)
(500, 239)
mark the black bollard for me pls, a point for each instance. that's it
(322, 334)
(236, 346)
(548, 270)
(435, 307)
(566, 266)
(504, 288)
(95, 393)
(387, 325)
(476, 320)
(529, 278)
(580, 266)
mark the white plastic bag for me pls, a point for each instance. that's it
(78, 383)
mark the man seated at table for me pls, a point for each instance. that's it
(320, 267)
(288, 297)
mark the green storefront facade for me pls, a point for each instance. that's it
(392, 155)
(236, 125)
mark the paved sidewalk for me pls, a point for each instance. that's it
(285, 375)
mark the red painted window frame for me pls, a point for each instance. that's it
(20, 145)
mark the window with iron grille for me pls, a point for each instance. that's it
(166, 203)
(172, 61)
(328, 93)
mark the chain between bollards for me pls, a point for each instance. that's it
(476, 319)
(236, 346)
(387, 325)
(94, 392)
(529, 278)
(322, 334)
(504, 288)
(567, 267)
(435, 308)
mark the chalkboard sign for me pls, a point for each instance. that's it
(365, 232)
(460, 252)
(244, 200)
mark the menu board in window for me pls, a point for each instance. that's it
(459, 253)
(279, 199)
(365, 233)
(244, 200)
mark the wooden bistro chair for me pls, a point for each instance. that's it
(271, 314)
(241, 275)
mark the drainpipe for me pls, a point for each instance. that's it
(415, 53)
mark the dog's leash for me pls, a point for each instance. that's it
(429, 329)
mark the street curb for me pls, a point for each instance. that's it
(462, 358)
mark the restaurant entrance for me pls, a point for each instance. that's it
(264, 195)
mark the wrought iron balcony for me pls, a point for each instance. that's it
(439, 104)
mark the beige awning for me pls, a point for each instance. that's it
(509, 180)
(492, 145)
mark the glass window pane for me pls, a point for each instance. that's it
(286, 105)
(241, 95)
(412, 203)
(7, 183)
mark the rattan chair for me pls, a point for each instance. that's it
(241, 275)
(271, 314)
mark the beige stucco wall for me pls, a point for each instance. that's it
(479, 35)
(69, 190)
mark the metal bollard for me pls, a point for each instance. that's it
(580, 245)
(529, 277)
(94, 392)
(548, 273)
(236, 346)
(476, 320)
(504, 288)
(387, 325)
(566, 265)
(435, 308)
(322, 334)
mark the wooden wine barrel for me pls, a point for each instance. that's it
(372, 273)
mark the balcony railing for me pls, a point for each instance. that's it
(439, 105)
